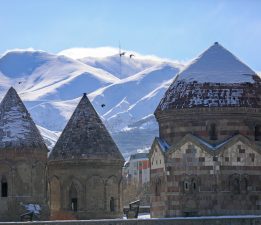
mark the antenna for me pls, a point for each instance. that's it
(120, 56)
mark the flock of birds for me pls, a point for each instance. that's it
(123, 53)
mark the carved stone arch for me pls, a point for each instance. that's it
(93, 177)
(112, 199)
(54, 194)
(68, 201)
(111, 178)
(186, 184)
(95, 193)
(234, 183)
(244, 183)
(194, 183)
(9, 165)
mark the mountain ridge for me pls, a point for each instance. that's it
(51, 86)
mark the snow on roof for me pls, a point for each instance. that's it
(215, 79)
(141, 155)
(17, 129)
(163, 144)
(210, 146)
(217, 65)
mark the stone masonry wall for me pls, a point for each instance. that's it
(202, 184)
(175, 125)
(94, 183)
(250, 220)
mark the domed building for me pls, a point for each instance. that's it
(207, 158)
(85, 169)
(23, 157)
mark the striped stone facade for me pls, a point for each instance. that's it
(207, 158)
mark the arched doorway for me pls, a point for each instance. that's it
(4, 187)
(73, 198)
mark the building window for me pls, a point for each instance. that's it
(212, 131)
(201, 159)
(186, 186)
(112, 204)
(177, 160)
(258, 133)
(252, 157)
(215, 159)
(238, 159)
(244, 184)
(194, 185)
(74, 204)
(241, 150)
(73, 198)
(4, 187)
(236, 186)
(227, 159)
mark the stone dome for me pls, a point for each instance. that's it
(215, 97)
(216, 78)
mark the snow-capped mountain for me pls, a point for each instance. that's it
(124, 91)
(38, 75)
(120, 67)
(139, 101)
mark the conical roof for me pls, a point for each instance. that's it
(216, 78)
(17, 129)
(85, 137)
(217, 65)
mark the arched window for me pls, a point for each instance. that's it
(212, 131)
(4, 187)
(186, 186)
(236, 185)
(258, 133)
(194, 185)
(73, 198)
(244, 184)
(112, 204)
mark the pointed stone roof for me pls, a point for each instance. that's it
(217, 65)
(85, 137)
(216, 78)
(17, 129)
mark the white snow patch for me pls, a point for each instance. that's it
(217, 65)
(50, 137)
(143, 150)
(16, 126)
(35, 208)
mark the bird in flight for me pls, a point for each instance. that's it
(122, 53)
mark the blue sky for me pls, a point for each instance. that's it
(166, 28)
